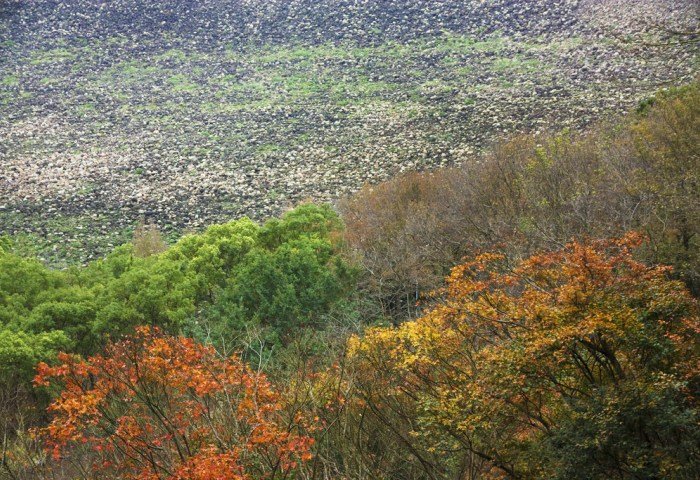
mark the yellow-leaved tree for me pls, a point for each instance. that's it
(579, 363)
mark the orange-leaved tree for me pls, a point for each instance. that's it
(580, 363)
(162, 407)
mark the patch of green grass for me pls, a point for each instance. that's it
(398, 50)
(302, 139)
(130, 72)
(568, 43)
(227, 79)
(181, 83)
(453, 43)
(55, 55)
(234, 107)
(362, 86)
(451, 61)
(464, 71)
(273, 195)
(172, 54)
(249, 88)
(301, 86)
(87, 188)
(119, 96)
(269, 148)
(286, 54)
(85, 109)
(210, 135)
(305, 55)
(331, 148)
(515, 64)
(341, 101)
(10, 81)
(117, 40)
(78, 67)
(493, 44)
(360, 52)
(46, 81)
(435, 87)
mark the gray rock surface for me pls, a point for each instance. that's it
(194, 112)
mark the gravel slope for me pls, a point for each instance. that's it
(193, 112)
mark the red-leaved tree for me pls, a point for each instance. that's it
(161, 407)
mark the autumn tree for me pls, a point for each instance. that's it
(667, 142)
(575, 364)
(148, 240)
(160, 407)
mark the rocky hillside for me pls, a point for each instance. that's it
(190, 112)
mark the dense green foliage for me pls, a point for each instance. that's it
(279, 276)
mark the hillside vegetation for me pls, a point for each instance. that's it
(538, 192)
(562, 344)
